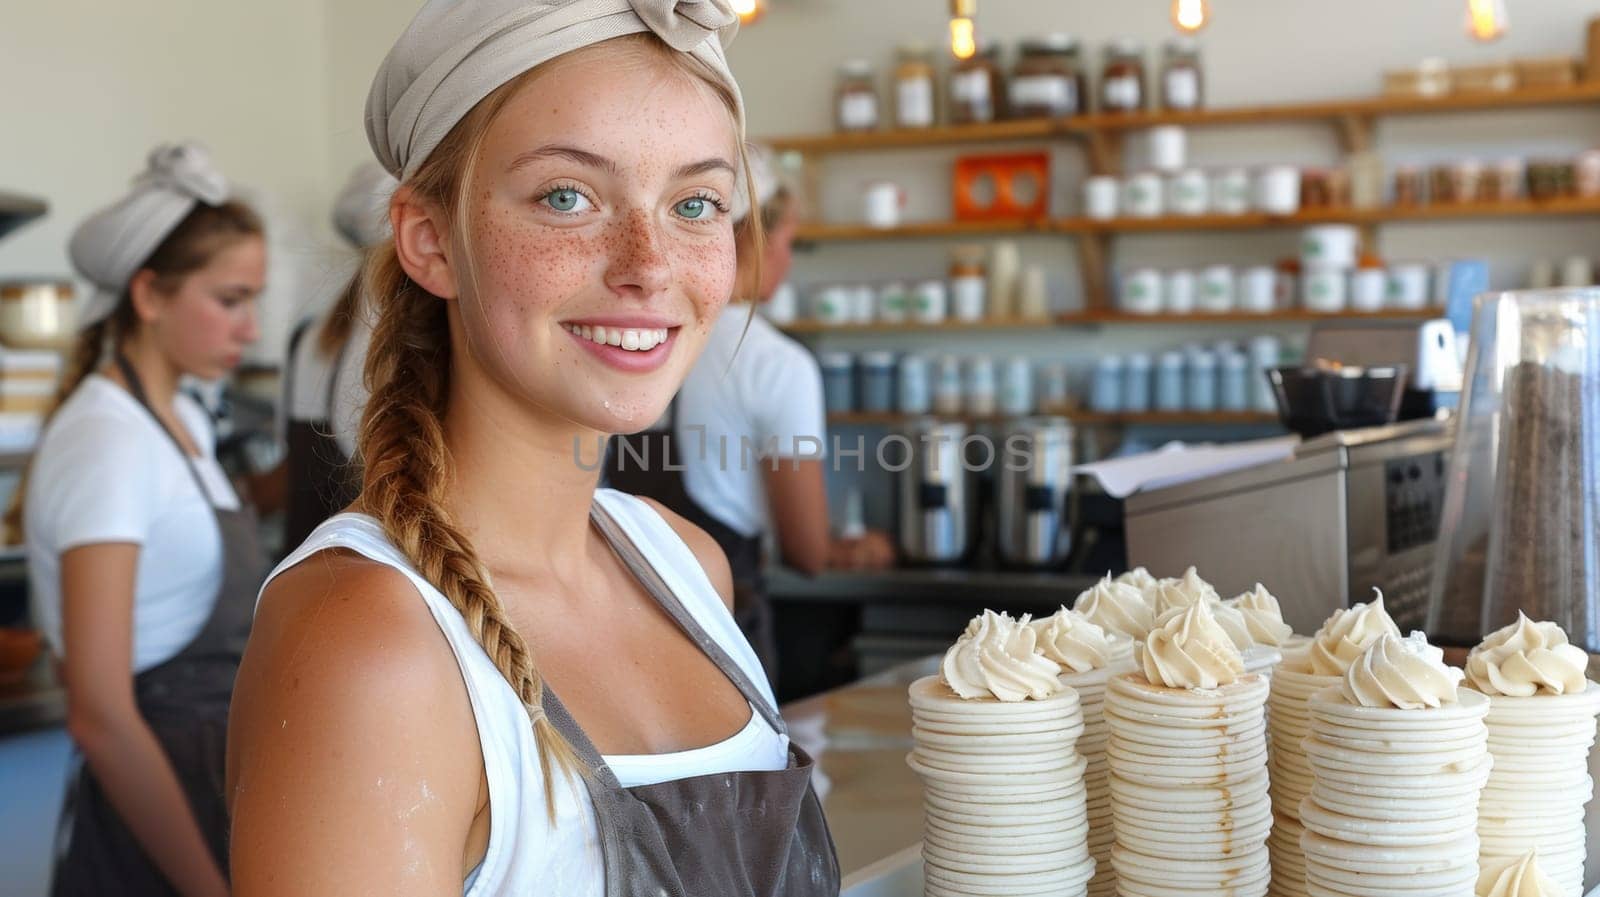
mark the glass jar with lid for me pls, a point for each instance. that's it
(1122, 78)
(1047, 81)
(1182, 83)
(977, 87)
(855, 100)
(914, 94)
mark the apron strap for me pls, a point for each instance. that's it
(136, 387)
(636, 563)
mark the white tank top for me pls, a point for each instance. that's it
(525, 854)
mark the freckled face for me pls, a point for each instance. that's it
(598, 216)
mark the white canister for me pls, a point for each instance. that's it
(1278, 190)
(1167, 148)
(914, 387)
(1188, 193)
(1016, 387)
(1141, 195)
(882, 202)
(831, 305)
(782, 308)
(1329, 245)
(980, 387)
(1408, 286)
(1005, 275)
(1258, 287)
(1217, 290)
(1033, 294)
(1141, 292)
(863, 304)
(1230, 191)
(1179, 289)
(1367, 288)
(929, 302)
(1323, 288)
(967, 294)
(894, 303)
(1100, 197)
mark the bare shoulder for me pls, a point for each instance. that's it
(351, 732)
(706, 550)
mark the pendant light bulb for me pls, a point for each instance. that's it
(1191, 15)
(963, 32)
(1486, 19)
(749, 10)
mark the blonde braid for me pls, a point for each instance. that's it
(406, 472)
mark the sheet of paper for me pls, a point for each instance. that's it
(1177, 462)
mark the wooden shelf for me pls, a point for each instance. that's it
(1523, 208)
(808, 326)
(1100, 124)
(1079, 417)
(1285, 316)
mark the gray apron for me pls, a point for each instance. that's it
(184, 700)
(740, 834)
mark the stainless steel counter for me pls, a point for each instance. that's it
(915, 585)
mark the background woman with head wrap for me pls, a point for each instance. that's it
(142, 560)
(562, 250)
(753, 386)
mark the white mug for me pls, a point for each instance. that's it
(1408, 286)
(1166, 144)
(1141, 292)
(929, 302)
(882, 203)
(1230, 192)
(1278, 190)
(1324, 288)
(1179, 293)
(1258, 289)
(1100, 197)
(1141, 195)
(1367, 288)
(1188, 193)
(1217, 290)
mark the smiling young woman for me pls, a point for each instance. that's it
(561, 252)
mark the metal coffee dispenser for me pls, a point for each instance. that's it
(1034, 476)
(937, 499)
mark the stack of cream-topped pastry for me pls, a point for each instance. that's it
(995, 744)
(1189, 765)
(1541, 723)
(1089, 656)
(1399, 755)
(1305, 671)
(1520, 877)
(1173, 596)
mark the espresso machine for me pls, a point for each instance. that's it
(937, 498)
(1033, 481)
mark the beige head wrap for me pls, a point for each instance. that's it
(763, 178)
(456, 52)
(361, 212)
(109, 247)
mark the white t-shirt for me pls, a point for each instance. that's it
(526, 854)
(758, 399)
(105, 471)
(311, 368)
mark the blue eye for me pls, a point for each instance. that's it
(565, 199)
(696, 208)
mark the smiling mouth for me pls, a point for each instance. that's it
(630, 339)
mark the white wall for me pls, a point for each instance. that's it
(91, 85)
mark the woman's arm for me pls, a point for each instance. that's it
(353, 757)
(97, 587)
(798, 499)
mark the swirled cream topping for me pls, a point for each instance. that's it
(1140, 579)
(1117, 607)
(1525, 659)
(1229, 620)
(1407, 673)
(997, 657)
(1184, 591)
(1262, 616)
(1520, 878)
(1348, 633)
(1189, 650)
(1077, 643)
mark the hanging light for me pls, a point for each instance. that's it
(1486, 19)
(749, 10)
(963, 33)
(1191, 15)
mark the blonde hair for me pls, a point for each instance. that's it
(405, 460)
(192, 244)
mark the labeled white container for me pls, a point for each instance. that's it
(1324, 289)
(1408, 286)
(1141, 195)
(894, 303)
(1141, 292)
(1230, 191)
(1167, 148)
(1330, 245)
(1188, 193)
(831, 305)
(915, 386)
(1100, 197)
(1258, 288)
(863, 304)
(981, 389)
(947, 385)
(1217, 290)
(967, 295)
(877, 382)
(1278, 190)
(1179, 289)
(930, 302)
(1367, 289)
(1016, 387)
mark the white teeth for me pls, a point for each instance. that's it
(632, 340)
